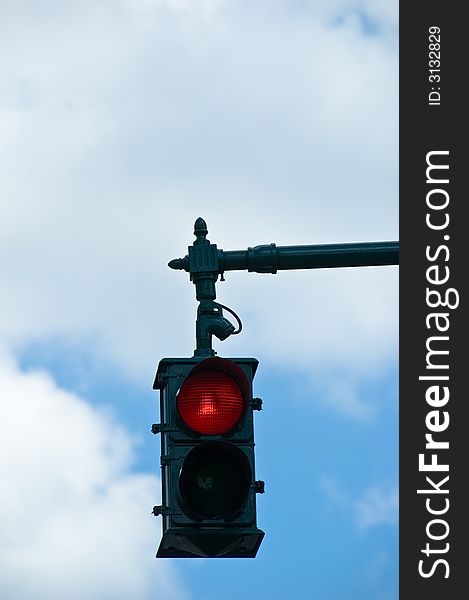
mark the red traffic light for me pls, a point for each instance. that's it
(210, 402)
(207, 457)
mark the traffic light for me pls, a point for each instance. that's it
(207, 457)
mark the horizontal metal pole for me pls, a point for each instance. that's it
(270, 258)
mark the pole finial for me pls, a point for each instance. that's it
(200, 230)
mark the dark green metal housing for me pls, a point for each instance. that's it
(191, 525)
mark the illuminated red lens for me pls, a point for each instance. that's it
(210, 402)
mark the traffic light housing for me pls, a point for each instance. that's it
(207, 457)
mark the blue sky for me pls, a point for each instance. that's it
(122, 122)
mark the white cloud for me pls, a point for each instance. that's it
(378, 504)
(75, 521)
(124, 121)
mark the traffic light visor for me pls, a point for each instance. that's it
(210, 401)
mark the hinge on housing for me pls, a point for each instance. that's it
(256, 404)
(166, 460)
(164, 510)
(259, 486)
(160, 427)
